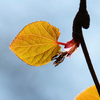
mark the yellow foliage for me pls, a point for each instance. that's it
(36, 44)
(89, 94)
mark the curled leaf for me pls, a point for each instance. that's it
(89, 94)
(36, 44)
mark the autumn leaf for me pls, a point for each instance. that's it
(89, 94)
(36, 44)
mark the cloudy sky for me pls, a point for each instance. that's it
(19, 81)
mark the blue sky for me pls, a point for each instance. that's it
(19, 81)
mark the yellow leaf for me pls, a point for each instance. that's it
(36, 44)
(89, 94)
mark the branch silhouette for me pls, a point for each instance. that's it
(82, 19)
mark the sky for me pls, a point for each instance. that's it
(19, 81)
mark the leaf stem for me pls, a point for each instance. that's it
(61, 43)
(88, 60)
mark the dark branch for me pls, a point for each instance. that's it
(82, 19)
(82, 7)
(90, 66)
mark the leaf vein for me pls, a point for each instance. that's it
(47, 32)
(39, 53)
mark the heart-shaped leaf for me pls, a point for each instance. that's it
(36, 44)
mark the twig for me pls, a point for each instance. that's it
(88, 60)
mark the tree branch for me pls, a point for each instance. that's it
(88, 60)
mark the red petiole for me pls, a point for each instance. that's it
(61, 43)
